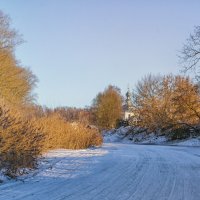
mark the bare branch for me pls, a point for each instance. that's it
(190, 54)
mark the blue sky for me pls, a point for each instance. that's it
(78, 47)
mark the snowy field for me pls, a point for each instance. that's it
(114, 172)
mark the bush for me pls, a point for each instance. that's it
(62, 134)
(20, 141)
(179, 133)
(23, 139)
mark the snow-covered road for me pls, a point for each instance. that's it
(114, 172)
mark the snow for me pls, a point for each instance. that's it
(135, 135)
(115, 171)
(130, 135)
(3, 178)
(195, 142)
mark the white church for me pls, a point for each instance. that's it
(128, 109)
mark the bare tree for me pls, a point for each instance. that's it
(9, 37)
(16, 82)
(190, 54)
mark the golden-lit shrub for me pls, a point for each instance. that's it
(61, 134)
(20, 141)
(165, 102)
(23, 139)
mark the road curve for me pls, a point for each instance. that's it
(114, 172)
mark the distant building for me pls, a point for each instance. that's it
(128, 109)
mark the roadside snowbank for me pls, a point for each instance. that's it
(194, 142)
(137, 135)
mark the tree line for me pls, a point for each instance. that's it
(163, 104)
